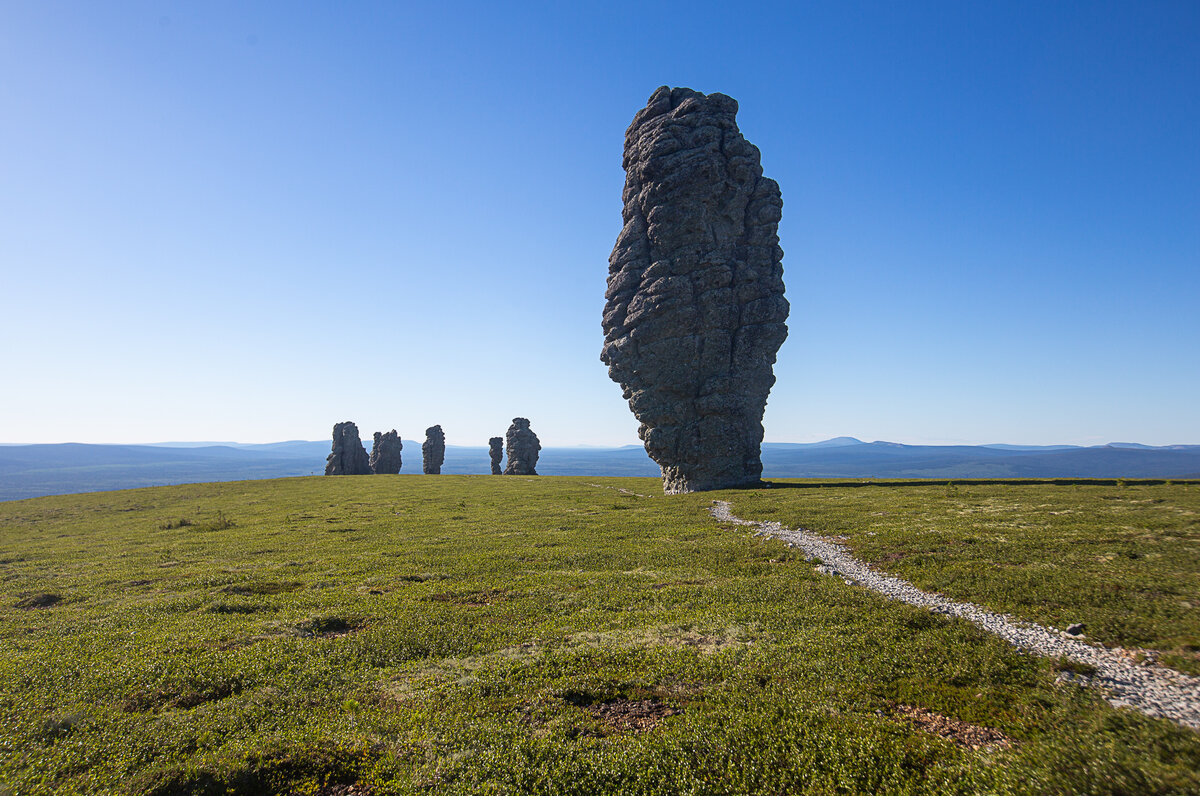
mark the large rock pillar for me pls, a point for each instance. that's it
(695, 309)
(522, 448)
(433, 450)
(348, 457)
(496, 451)
(385, 453)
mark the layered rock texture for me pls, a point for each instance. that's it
(695, 309)
(348, 457)
(522, 447)
(496, 449)
(433, 450)
(385, 453)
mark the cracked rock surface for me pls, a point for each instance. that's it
(385, 453)
(433, 450)
(695, 308)
(348, 457)
(522, 448)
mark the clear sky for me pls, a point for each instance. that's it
(247, 221)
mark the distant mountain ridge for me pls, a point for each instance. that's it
(35, 470)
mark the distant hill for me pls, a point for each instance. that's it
(1003, 447)
(836, 442)
(892, 460)
(34, 470)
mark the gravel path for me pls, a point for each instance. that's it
(1154, 690)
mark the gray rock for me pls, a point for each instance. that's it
(496, 449)
(433, 450)
(348, 457)
(385, 453)
(522, 447)
(1075, 629)
(695, 309)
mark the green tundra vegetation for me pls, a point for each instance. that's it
(475, 634)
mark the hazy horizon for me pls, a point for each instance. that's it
(366, 439)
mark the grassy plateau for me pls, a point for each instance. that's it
(474, 634)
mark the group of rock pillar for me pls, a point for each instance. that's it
(694, 313)
(349, 457)
(521, 446)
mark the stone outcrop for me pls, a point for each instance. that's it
(433, 450)
(695, 309)
(385, 453)
(496, 449)
(349, 457)
(522, 447)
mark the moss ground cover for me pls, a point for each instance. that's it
(471, 634)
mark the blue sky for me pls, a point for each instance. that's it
(249, 221)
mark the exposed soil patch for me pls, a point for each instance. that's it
(186, 697)
(236, 608)
(55, 727)
(345, 790)
(40, 600)
(971, 736)
(218, 523)
(327, 627)
(631, 715)
(470, 598)
(420, 578)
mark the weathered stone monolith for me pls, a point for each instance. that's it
(695, 309)
(385, 453)
(522, 448)
(433, 450)
(349, 457)
(496, 449)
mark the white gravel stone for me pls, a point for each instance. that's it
(1152, 689)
